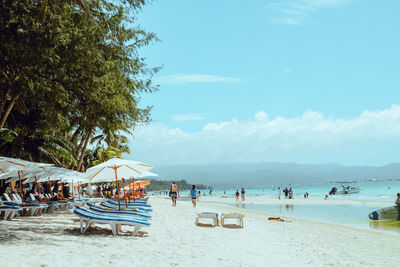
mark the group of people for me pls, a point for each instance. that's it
(109, 191)
(174, 194)
(288, 193)
(242, 192)
(58, 192)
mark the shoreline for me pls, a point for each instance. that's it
(224, 205)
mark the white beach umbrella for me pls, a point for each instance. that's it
(18, 165)
(11, 164)
(116, 169)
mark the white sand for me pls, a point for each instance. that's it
(174, 240)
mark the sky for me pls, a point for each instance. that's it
(305, 81)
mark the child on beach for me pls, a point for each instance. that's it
(193, 194)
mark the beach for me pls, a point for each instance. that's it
(174, 240)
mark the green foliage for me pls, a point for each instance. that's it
(158, 185)
(77, 63)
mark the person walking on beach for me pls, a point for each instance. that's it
(243, 192)
(174, 193)
(237, 195)
(279, 193)
(193, 195)
(398, 206)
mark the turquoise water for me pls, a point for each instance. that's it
(382, 191)
(346, 214)
(352, 215)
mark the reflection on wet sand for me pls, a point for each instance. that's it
(243, 206)
(289, 207)
(392, 225)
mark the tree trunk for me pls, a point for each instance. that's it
(77, 131)
(78, 151)
(3, 103)
(8, 110)
(84, 149)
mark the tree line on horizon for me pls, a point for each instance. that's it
(163, 185)
(71, 77)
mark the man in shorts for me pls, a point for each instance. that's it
(174, 193)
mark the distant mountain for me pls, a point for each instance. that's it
(274, 173)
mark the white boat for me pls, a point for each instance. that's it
(349, 190)
(345, 190)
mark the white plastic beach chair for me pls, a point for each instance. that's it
(208, 215)
(237, 216)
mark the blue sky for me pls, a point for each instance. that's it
(284, 67)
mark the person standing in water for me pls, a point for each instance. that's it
(193, 195)
(174, 193)
(243, 192)
(397, 202)
(237, 195)
(279, 193)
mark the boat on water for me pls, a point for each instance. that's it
(345, 190)
(386, 213)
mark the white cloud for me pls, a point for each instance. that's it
(261, 116)
(181, 79)
(188, 117)
(371, 137)
(293, 12)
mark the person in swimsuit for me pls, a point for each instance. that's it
(237, 195)
(193, 195)
(243, 192)
(174, 193)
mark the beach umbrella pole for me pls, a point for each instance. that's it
(20, 183)
(37, 186)
(116, 179)
(123, 187)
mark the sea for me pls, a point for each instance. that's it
(373, 195)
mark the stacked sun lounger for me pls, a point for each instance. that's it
(102, 209)
(88, 218)
(136, 213)
(127, 206)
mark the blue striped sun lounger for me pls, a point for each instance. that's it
(101, 209)
(9, 211)
(132, 203)
(123, 206)
(89, 218)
